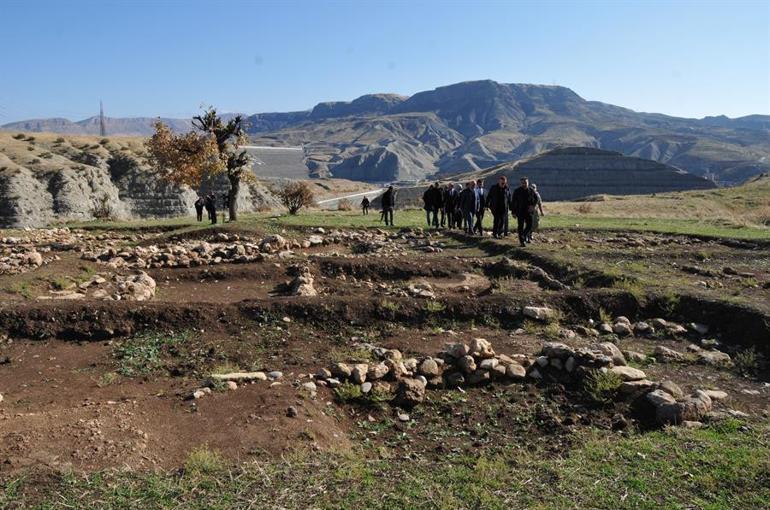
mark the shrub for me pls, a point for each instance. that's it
(59, 140)
(19, 136)
(746, 362)
(296, 195)
(102, 210)
(104, 141)
(432, 306)
(605, 316)
(344, 205)
(201, 460)
(601, 387)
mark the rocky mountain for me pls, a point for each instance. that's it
(577, 172)
(47, 179)
(474, 125)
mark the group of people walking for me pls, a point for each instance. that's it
(452, 207)
(209, 202)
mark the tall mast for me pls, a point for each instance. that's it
(102, 125)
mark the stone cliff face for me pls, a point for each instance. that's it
(48, 179)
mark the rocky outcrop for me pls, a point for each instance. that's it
(50, 179)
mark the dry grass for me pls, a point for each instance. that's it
(747, 205)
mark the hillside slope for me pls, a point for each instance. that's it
(47, 178)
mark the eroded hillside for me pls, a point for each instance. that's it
(47, 178)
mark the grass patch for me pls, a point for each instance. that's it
(433, 306)
(747, 362)
(107, 379)
(719, 468)
(601, 387)
(143, 354)
(203, 461)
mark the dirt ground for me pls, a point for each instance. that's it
(91, 384)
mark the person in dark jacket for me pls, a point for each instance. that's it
(438, 204)
(469, 205)
(458, 213)
(523, 202)
(427, 203)
(450, 197)
(365, 205)
(199, 208)
(388, 204)
(211, 207)
(537, 213)
(481, 204)
(498, 199)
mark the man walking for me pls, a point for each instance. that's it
(538, 211)
(365, 205)
(468, 206)
(481, 201)
(199, 208)
(211, 208)
(388, 204)
(497, 200)
(438, 204)
(523, 205)
(450, 198)
(427, 201)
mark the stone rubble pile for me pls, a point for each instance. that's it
(133, 287)
(303, 282)
(21, 260)
(404, 380)
(226, 249)
(509, 267)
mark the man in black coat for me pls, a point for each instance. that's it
(450, 197)
(469, 204)
(388, 204)
(438, 204)
(497, 200)
(523, 202)
(428, 203)
(199, 208)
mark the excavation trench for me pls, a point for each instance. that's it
(735, 325)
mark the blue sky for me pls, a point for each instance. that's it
(167, 58)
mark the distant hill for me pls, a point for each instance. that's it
(576, 172)
(474, 125)
(137, 126)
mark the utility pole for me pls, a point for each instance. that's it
(102, 126)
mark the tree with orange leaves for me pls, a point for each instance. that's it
(213, 148)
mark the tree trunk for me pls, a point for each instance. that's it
(235, 186)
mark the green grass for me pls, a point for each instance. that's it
(720, 467)
(416, 218)
(660, 225)
(143, 354)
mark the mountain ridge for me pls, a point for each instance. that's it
(472, 125)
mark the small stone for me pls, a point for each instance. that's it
(232, 385)
(611, 350)
(540, 313)
(629, 373)
(429, 368)
(403, 417)
(569, 365)
(630, 387)
(621, 329)
(274, 375)
(622, 320)
(310, 386)
(454, 379)
(699, 328)
(409, 393)
(715, 358)
(635, 357)
(716, 394)
(341, 370)
(662, 353)
(358, 375)
(332, 382)
(689, 424)
(672, 389)
(323, 374)
(292, 412)
(467, 364)
(488, 364)
(542, 361)
(515, 371)
(481, 348)
(377, 371)
(366, 387)
(605, 329)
